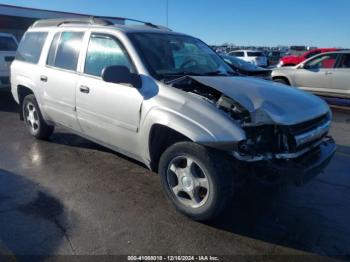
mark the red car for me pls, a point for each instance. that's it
(295, 60)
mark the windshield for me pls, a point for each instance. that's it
(7, 44)
(169, 55)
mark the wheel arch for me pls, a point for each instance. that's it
(162, 137)
(22, 92)
(283, 78)
(174, 127)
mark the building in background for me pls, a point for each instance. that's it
(16, 20)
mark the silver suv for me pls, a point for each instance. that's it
(167, 100)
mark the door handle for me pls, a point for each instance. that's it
(43, 78)
(84, 89)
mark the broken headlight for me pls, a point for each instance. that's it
(264, 139)
(234, 109)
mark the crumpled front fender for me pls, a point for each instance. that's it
(207, 133)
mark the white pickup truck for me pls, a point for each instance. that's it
(8, 47)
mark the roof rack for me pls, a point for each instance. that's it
(61, 21)
(92, 20)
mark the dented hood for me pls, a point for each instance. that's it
(267, 101)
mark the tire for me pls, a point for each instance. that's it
(281, 81)
(34, 120)
(197, 180)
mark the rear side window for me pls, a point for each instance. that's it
(7, 44)
(64, 53)
(239, 54)
(29, 49)
(53, 49)
(104, 51)
(255, 54)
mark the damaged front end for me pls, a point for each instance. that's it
(292, 154)
(273, 151)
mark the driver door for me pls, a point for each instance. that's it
(107, 112)
(316, 74)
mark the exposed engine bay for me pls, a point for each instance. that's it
(264, 141)
(223, 102)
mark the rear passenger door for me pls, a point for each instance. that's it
(341, 77)
(59, 78)
(108, 112)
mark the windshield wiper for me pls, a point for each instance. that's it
(169, 77)
(175, 75)
(181, 73)
(215, 73)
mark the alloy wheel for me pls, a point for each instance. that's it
(32, 117)
(188, 181)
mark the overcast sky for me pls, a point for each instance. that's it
(322, 23)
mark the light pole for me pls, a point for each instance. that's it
(167, 13)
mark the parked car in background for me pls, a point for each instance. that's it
(169, 101)
(273, 57)
(8, 47)
(326, 74)
(295, 60)
(254, 57)
(246, 68)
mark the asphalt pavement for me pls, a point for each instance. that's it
(71, 196)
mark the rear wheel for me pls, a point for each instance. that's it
(34, 120)
(197, 180)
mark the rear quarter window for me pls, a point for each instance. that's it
(7, 44)
(30, 48)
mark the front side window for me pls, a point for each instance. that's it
(65, 53)
(29, 49)
(325, 61)
(7, 44)
(104, 51)
(168, 55)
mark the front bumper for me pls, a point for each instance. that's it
(297, 171)
(301, 170)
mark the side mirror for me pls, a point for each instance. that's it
(121, 75)
(303, 66)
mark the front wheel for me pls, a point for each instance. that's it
(197, 180)
(34, 120)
